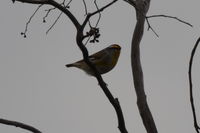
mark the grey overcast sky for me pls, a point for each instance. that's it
(37, 89)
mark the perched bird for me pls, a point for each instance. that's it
(104, 60)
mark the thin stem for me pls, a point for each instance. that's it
(98, 11)
(29, 20)
(95, 2)
(67, 12)
(166, 16)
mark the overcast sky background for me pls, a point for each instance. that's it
(37, 89)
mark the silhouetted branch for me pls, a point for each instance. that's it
(166, 16)
(114, 101)
(49, 10)
(54, 23)
(85, 7)
(33, 1)
(67, 12)
(19, 124)
(141, 7)
(196, 126)
(27, 24)
(98, 11)
(79, 39)
(95, 2)
(94, 31)
(47, 13)
(149, 27)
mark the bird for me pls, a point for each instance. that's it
(104, 60)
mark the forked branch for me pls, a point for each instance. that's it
(167, 16)
(79, 39)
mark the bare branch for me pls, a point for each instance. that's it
(54, 23)
(27, 24)
(137, 72)
(85, 7)
(57, 5)
(67, 12)
(86, 13)
(94, 31)
(95, 2)
(114, 101)
(98, 11)
(49, 10)
(79, 39)
(196, 126)
(47, 13)
(33, 1)
(149, 27)
(19, 124)
(166, 16)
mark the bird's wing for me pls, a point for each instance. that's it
(98, 56)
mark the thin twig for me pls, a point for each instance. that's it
(54, 23)
(166, 16)
(153, 16)
(48, 12)
(67, 6)
(85, 7)
(95, 2)
(86, 13)
(196, 126)
(90, 23)
(149, 27)
(89, 15)
(98, 11)
(27, 24)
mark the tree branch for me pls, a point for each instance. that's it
(131, 2)
(79, 39)
(19, 124)
(166, 16)
(33, 1)
(196, 126)
(57, 5)
(114, 101)
(147, 118)
(29, 20)
(98, 11)
(51, 9)
(149, 27)
(67, 12)
(54, 23)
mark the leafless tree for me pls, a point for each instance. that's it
(141, 8)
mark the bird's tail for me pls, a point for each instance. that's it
(69, 65)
